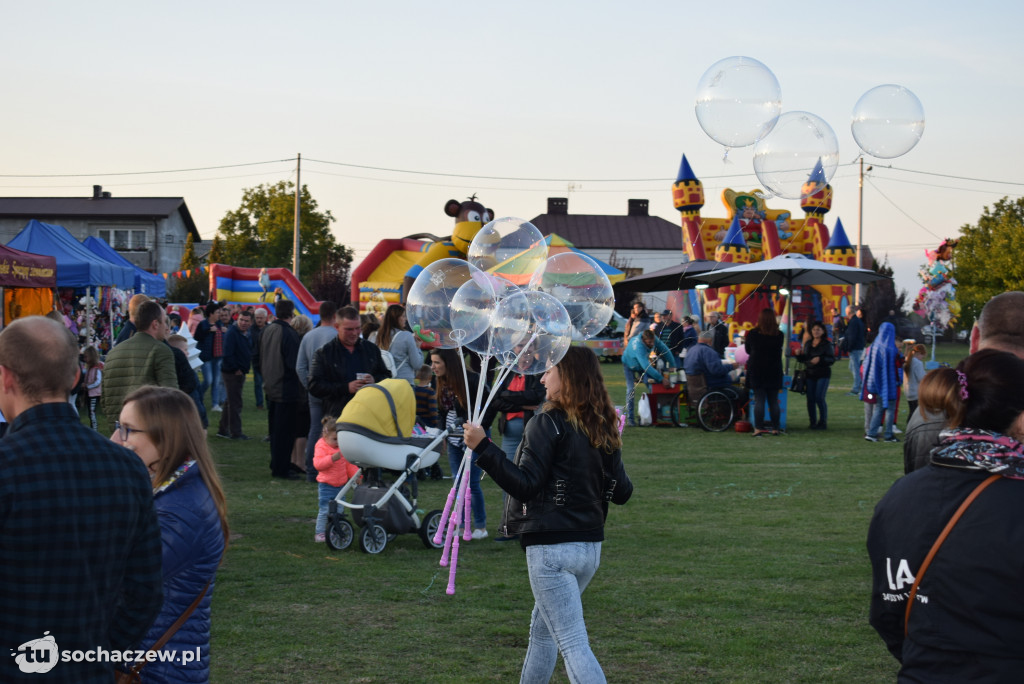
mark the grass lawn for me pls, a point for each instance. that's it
(737, 560)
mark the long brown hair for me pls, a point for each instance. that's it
(584, 399)
(172, 423)
(766, 323)
(389, 326)
(452, 378)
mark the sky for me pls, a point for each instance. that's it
(397, 107)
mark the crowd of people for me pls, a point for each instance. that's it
(138, 568)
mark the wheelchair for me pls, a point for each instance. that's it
(714, 410)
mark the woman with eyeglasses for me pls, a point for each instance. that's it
(161, 425)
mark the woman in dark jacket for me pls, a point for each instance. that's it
(517, 399)
(818, 356)
(568, 468)
(161, 425)
(966, 623)
(764, 371)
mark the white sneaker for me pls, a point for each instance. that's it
(320, 538)
(479, 533)
(216, 408)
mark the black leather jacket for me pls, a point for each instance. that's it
(333, 368)
(559, 485)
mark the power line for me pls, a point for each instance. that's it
(138, 173)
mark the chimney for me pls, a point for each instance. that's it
(97, 191)
(106, 195)
(558, 206)
(637, 207)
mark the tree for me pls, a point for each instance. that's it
(987, 261)
(193, 287)
(880, 297)
(260, 233)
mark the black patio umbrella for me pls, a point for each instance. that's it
(789, 271)
(678, 277)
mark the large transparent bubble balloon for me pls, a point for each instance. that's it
(429, 304)
(786, 158)
(738, 101)
(474, 302)
(547, 336)
(510, 326)
(888, 121)
(509, 247)
(582, 287)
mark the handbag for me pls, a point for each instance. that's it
(644, 410)
(132, 676)
(799, 384)
(938, 542)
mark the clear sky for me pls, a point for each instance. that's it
(597, 97)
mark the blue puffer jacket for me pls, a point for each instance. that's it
(193, 543)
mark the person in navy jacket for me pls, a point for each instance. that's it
(161, 425)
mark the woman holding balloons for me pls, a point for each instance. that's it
(568, 467)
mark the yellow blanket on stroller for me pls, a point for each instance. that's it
(386, 408)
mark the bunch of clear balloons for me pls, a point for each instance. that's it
(512, 303)
(739, 103)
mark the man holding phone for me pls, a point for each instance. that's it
(345, 365)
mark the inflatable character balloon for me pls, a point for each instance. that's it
(936, 300)
(470, 216)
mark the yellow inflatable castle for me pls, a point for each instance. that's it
(751, 232)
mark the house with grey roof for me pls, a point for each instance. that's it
(150, 232)
(634, 243)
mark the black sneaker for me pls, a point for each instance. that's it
(892, 439)
(243, 438)
(223, 435)
(871, 438)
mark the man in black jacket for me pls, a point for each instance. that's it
(233, 369)
(279, 349)
(345, 365)
(721, 333)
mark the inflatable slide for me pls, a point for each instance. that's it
(377, 280)
(238, 285)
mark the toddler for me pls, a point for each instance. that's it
(333, 471)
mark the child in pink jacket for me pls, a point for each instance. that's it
(333, 471)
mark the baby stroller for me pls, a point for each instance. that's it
(374, 433)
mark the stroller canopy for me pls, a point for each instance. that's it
(386, 408)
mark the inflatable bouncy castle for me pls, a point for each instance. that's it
(751, 231)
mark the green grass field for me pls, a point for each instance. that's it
(737, 560)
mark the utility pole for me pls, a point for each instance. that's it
(298, 195)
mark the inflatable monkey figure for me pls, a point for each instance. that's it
(470, 216)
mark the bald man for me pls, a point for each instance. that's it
(79, 537)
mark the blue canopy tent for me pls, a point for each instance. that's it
(145, 282)
(76, 265)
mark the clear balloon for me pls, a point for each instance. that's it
(474, 300)
(546, 338)
(510, 326)
(888, 121)
(738, 101)
(509, 247)
(429, 304)
(786, 160)
(582, 287)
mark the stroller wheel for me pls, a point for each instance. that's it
(428, 528)
(339, 535)
(373, 539)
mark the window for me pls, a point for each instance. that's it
(124, 240)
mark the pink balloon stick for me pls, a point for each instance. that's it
(451, 573)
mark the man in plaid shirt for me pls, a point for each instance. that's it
(80, 551)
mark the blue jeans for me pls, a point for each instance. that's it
(316, 414)
(559, 573)
(817, 409)
(327, 495)
(855, 358)
(257, 382)
(632, 378)
(876, 419)
(211, 379)
(511, 437)
(764, 396)
(476, 501)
